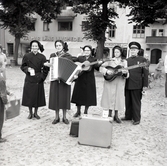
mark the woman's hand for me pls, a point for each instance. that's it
(100, 62)
(124, 71)
(109, 72)
(29, 69)
(47, 64)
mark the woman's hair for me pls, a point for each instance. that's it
(118, 48)
(1, 48)
(41, 48)
(93, 50)
(64, 44)
(89, 46)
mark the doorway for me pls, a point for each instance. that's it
(10, 49)
(155, 55)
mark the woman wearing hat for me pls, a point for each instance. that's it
(113, 89)
(135, 84)
(33, 90)
(60, 92)
(84, 93)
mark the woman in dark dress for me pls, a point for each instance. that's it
(84, 93)
(60, 92)
(36, 73)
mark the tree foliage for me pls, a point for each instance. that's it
(100, 16)
(146, 12)
(17, 16)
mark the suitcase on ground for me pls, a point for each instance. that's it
(95, 130)
(13, 109)
(74, 127)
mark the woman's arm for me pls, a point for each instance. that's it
(24, 66)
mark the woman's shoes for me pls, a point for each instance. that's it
(65, 121)
(30, 116)
(2, 140)
(56, 121)
(36, 116)
(117, 119)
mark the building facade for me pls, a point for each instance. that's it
(68, 27)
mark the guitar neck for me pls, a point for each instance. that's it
(92, 63)
(130, 67)
(88, 64)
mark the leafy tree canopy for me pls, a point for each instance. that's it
(146, 12)
(17, 15)
(99, 17)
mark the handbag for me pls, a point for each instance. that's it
(12, 108)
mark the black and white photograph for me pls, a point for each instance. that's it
(83, 83)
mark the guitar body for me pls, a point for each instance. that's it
(115, 74)
(117, 70)
(85, 66)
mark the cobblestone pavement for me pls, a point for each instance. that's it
(39, 143)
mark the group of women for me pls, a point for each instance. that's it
(36, 68)
(122, 89)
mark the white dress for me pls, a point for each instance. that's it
(113, 92)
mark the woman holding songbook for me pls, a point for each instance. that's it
(35, 71)
(60, 92)
(113, 98)
(84, 93)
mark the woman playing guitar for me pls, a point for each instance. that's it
(113, 91)
(84, 93)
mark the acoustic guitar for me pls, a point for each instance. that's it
(117, 71)
(86, 65)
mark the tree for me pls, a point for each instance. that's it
(145, 12)
(99, 16)
(17, 16)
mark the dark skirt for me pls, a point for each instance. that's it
(59, 97)
(84, 92)
(33, 95)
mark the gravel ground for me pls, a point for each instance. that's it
(39, 143)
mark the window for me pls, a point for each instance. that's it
(161, 32)
(31, 27)
(10, 49)
(83, 26)
(65, 26)
(154, 32)
(138, 31)
(45, 26)
(111, 31)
